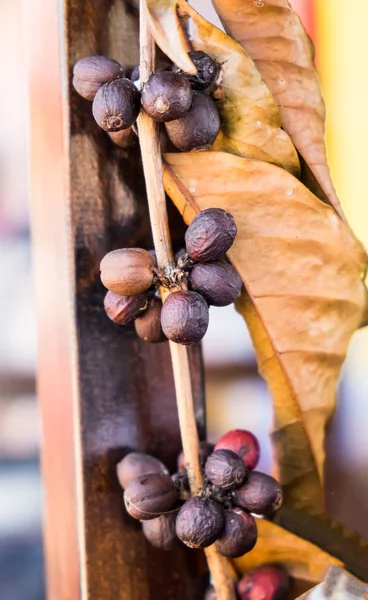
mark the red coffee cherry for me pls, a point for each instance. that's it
(116, 105)
(267, 582)
(148, 326)
(199, 522)
(218, 282)
(166, 96)
(260, 494)
(239, 534)
(210, 235)
(91, 72)
(225, 469)
(135, 464)
(160, 532)
(148, 496)
(243, 443)
(205, 449)
(184, 317)
(199, 126)
(207, 70)
(124, 309)
(127, 271)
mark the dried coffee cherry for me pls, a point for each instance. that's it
(148, 496)
(90, 73)
(124, 309)
(166, 96)
(260, 494)
(225, 469)
(207, 70)
(199, 522)
(210, 235)
(148, 326)
(184, 317)
(128, 271)
(199, 126)
(160, 532)
(135, 464)
(116, 105)
(218, 282)
(239, 534)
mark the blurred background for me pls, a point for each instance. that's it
(338, 28)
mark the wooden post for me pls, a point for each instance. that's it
(101, 390)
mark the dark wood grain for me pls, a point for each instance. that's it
(102, 391)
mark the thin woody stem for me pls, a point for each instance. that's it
(152, 166)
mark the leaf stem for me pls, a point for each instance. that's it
(152, 166)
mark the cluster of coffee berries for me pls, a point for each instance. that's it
(201, 272)
(170, 96)
(221, 513)
(116, 100)
(267, 582)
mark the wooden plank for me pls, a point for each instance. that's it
(54, 292)
(102, 391)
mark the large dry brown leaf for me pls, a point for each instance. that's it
(251, 123)
(301, 267)
(302, 559)
(272, 33)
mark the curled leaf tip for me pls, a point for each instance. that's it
(169, 33)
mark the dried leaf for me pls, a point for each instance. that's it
(272, 33)
(301, 267)
(307, 546)
(251, 123)
(249, 115)
(330, 536)
(337, 585)
(302, 559)
(168, 32)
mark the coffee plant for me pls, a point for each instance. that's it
(231, 126)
